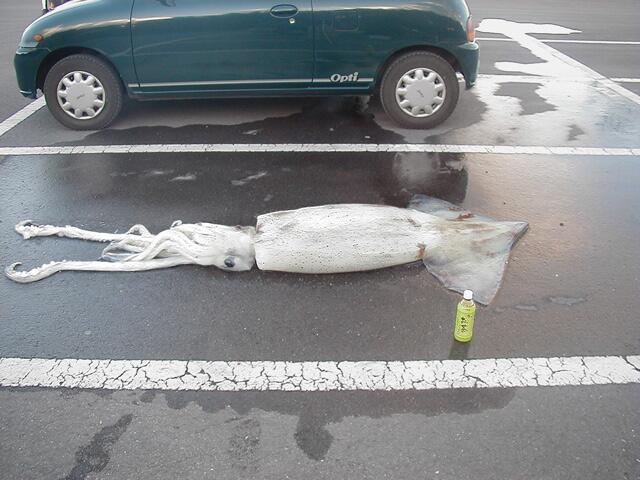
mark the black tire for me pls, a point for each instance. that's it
(113, 92)
(405, 63)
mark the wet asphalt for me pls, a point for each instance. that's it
(571, 287)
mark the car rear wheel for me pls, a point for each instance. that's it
(419, 90)
(83, 92)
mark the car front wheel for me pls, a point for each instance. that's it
(83, 92)
(419, 90)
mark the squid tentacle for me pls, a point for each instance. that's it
(138, 249)
(164, 242)
(113, 251)
(28, 229)
(147, 251)
(177, 241)
(49, 269)
(116, 250)
(120, 251)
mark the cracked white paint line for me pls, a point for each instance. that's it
(21, 115)
(318, 148)
(317, 376)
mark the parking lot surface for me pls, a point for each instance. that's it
(549, 135)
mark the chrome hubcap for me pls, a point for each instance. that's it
(81, 95)
(420, 92)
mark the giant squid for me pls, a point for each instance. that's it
(461, 249)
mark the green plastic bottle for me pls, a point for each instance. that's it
(465, 315)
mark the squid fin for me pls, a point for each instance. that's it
(475, 249)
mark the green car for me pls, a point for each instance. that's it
(87, 55)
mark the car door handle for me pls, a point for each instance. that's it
(284, 11)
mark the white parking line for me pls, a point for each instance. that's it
(317, 376)
(552, 40)
(507, 78)
(591, 42)
(317, 148)
(21, 115)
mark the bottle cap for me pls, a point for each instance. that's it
(468, 295)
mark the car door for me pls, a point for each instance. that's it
(222, 45)
(350, 40)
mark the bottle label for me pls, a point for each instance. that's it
(464, 323)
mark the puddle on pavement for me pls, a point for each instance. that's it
(248, 186)
(565, 301)
(327, 120)
(530, 101)
(95, 456)
(496, 111)
(318, 411)
(574, 132)
(219, 112)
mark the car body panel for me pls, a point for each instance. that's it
(360, 35)
(27, 61)
(220, 45)
(467, 55)
(100, 26)
(190, 48)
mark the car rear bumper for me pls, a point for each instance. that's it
(27, 62)
(468, 56)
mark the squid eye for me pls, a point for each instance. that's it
(229, 262)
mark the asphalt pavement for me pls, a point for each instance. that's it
(571, 286)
